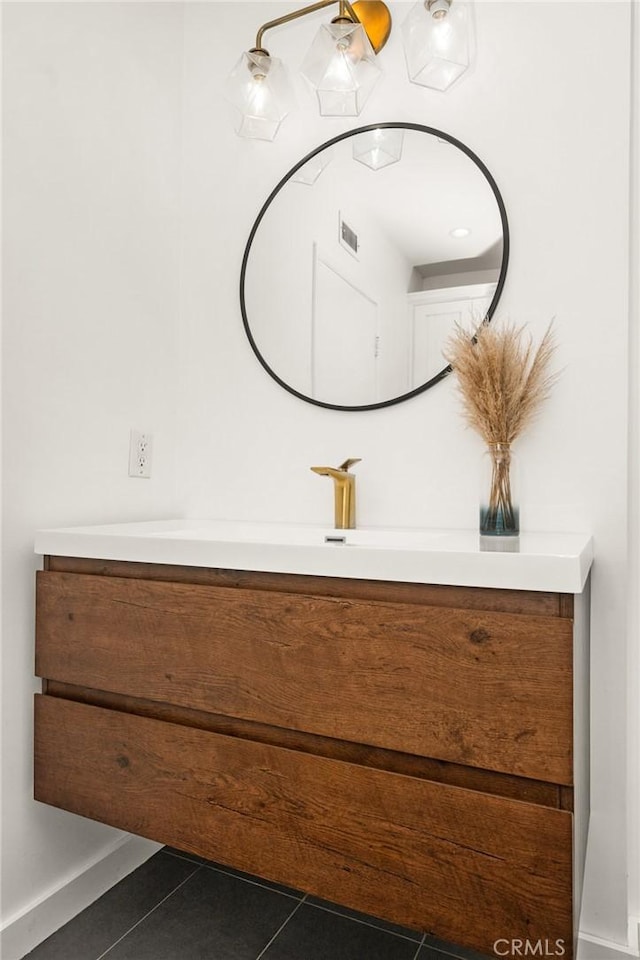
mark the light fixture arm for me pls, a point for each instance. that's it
(346, 12)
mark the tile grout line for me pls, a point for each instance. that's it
(148, 913)
(280, 928)
(447, 951)
(367, 923)
(417, 953)
(228, 873)
(316, 906)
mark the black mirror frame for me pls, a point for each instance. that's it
(490, 310)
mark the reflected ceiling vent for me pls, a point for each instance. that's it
(348, 237)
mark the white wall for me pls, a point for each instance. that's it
(547, 108)
(633, 673)
(91, 189)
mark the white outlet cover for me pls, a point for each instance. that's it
(140, 450)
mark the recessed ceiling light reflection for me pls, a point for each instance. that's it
(459, 232)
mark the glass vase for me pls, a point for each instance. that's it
(499, 506)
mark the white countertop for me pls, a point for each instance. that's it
(555, 562)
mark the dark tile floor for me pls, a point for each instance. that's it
(178, 907)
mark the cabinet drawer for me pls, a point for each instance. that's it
(490, 690)
(471, 866)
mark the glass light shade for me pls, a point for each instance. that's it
(341, 65)
(378, 148)
(311, 170)
(258, 88)
(438, 49)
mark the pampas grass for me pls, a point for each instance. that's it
(502, 379)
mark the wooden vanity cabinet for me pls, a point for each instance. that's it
(410, 751)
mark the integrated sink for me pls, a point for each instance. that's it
(557, 562)
(291, 534)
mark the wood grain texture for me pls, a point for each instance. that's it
(566, 605)
(468, 866)
(473, 598)
(440, 771)
(566, 798)
(492, 690)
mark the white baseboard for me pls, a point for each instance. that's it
(25, 930)
(593, 948)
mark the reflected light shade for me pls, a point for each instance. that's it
(258, 88)
(311, 170)
(438, 40)
(378, 148)
(341, 66)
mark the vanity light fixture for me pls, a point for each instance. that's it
(341, 67)
(259, 88)
(438, 42)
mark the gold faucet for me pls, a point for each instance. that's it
(345, 493)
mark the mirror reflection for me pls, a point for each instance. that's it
(363, 259)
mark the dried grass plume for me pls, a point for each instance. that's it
(501, 378)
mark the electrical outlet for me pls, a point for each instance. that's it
(140, 447)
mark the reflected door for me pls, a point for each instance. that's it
(433, 315)
(344, 339)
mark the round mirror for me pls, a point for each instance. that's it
(363, 259)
